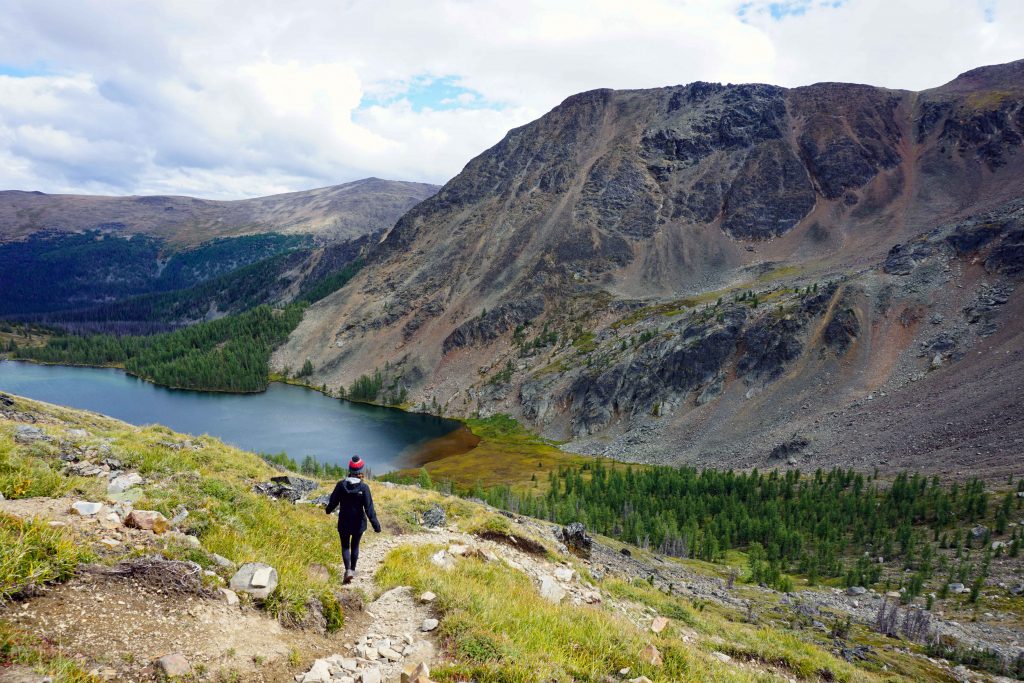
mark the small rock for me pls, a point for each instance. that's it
(180, 516)
(390, 654)
(255, 578)
(564, 574)
(110, 542)
(221, 561)
(721, 656)
(651, 655)
(320, 672)
(173, 665)
(640, 679)
(442, 559)
(856, 590)
(371, 676)
(148, 520)
(550, 590)
(955, 588)
(659, 624)
(416, 673)
(229, 596)
(371, 653)
(122, 483)
(86, 509)
(458, 550)
(429, 625)
(427, 597)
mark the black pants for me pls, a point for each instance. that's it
(350, 547)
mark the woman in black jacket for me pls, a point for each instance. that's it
(352, 499)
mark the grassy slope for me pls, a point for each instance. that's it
(495, 626)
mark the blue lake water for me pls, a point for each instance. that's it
(285, 418)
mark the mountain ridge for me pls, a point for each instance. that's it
(619, 200)
(343, 211)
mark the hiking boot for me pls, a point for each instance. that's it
(348, 576)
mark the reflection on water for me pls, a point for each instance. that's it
(286, 418)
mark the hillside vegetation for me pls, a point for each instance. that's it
(229, 354)
(495, 624)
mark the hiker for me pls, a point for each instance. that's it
(352, 499)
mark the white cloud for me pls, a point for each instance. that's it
(230, 98)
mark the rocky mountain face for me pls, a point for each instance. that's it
(723, 274)
(344, 211)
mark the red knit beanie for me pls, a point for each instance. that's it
(355, 465)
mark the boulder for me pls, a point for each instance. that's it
(148, 520)
(255, 578)
(28, 434)
(303, 486)
(550, 590)
(576, 539)
(429, 625)
(122, 483)
(286, 487)
(86, 509)
(856, 590)
(372, 675)
(651, 655)
(434, 517)
(979, 531)
(659, 624)
(173, 665)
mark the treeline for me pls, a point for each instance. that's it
(229, 354)
(792, 523)
(310, 466)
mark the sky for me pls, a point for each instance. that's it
(238, 98)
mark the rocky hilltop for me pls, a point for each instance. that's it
(731, 274)
(344, 211)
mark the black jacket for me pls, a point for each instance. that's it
(352, 498)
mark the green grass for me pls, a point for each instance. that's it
(33, 554)
(19, 647)
(499, 629)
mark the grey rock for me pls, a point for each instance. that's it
(255, 578)
(856, 590)
(28, 434)
(221, 561)
(550, 590)
(434, 517)
(122, 483)
(429, 625)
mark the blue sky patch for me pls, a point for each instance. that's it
(23, 71)
(430, 92)
(780, 9)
